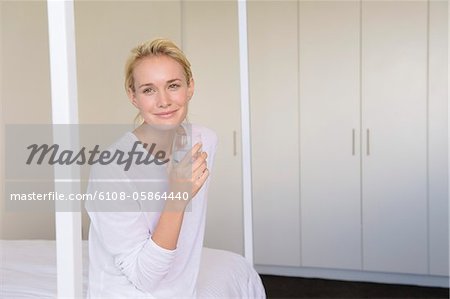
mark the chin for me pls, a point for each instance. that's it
(165, 125)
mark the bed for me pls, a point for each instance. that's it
(28, 270)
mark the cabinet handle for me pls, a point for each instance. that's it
(353, 142)
(234, 144)
(368, 142)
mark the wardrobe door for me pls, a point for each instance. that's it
(394, 106)
(210, 41)
(329, 49)
(273, 67)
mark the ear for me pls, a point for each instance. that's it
(132, 97)
(191, 88)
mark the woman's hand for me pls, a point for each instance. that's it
(189, 174)
(200, 170)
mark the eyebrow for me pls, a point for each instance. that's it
(151, 84)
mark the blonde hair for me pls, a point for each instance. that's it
(156, 47)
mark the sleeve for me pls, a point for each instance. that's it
(126, 235)
(211, 140)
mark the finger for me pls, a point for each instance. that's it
(190, 156)
(196, 148)
(204, 176)
(199, 171)
(198, 183)
(201, 158)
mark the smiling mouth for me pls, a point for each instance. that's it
(166, 114)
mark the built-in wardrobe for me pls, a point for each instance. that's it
(349, 139)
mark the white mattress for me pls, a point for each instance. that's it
(28, 270)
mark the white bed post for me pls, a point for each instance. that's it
(245, 127)
(65, 111)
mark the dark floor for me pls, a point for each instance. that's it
(294, 287)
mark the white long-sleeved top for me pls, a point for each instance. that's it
(124, 262)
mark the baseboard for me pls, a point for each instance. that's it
(352, 275)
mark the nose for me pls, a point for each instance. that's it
(164, 99)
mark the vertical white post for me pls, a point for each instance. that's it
(245, 128)
(65, 111)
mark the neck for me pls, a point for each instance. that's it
(152, 135)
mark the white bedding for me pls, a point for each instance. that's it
(28, 270)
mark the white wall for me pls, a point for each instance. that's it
(25, 98)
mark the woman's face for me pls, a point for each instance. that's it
(161, 92)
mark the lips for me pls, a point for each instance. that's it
(167, 114)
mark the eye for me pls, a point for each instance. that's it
(148, 91)
(174, 86)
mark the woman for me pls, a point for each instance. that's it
(153, 248)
